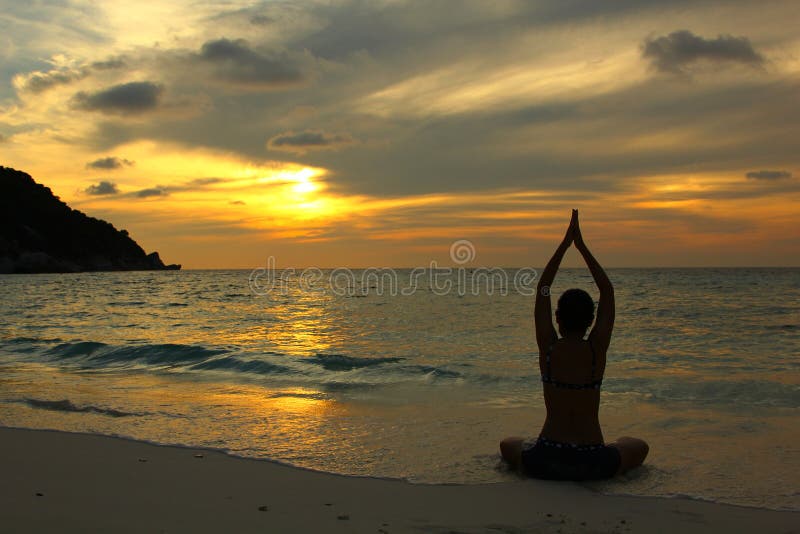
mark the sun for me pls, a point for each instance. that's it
(304, 185)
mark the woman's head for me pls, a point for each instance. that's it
(575, 311)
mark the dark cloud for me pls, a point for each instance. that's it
(127, 98)
(109, 163)
(236, 62)
(308, 140)
(109, 64)
(38, 82)
(768, 175)
(42, 81)
(103, 188)
(261, 20)
(164, 190)
(204, 181)
(150, 192)
(675, 51)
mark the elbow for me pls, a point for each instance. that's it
(605, 288)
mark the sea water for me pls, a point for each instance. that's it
(398, 374)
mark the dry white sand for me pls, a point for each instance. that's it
(61, 482)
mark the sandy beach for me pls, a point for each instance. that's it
(55, 481)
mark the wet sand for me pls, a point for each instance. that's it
(62, 482)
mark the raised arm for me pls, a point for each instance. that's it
(604, 324)
(545, 331)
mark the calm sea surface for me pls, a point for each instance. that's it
(374, 376)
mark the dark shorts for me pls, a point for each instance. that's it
(552, 460)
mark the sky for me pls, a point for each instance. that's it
(377, 133)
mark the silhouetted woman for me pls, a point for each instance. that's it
(570, 445)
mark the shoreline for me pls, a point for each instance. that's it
(521, 479)
(61, 481)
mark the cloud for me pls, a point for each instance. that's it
(234, 61)
(124, 99)
(109, 64)
(3, 138)
(103, 188)
(768, 175)
(301, 142)
(165, 190)
(261, 20)
(109, 163)
(39, 82)
(150, 192)
(238, 202)
(675, 51)
(205, 181)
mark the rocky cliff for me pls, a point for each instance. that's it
(41, 234)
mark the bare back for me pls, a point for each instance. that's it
(571, 392)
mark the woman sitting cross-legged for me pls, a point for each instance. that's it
(570, 445)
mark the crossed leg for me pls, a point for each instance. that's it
(632, 452)
(511, 450)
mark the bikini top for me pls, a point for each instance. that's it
(547, 377)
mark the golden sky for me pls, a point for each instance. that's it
(347, 133)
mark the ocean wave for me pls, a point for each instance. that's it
(340, 362)
(319, 369)
(128, 303)
(232, 363)
(26, 345)
(74, 350)
(28, 340)
(371, 371)
(96, 354)
(431, 371)
(730, 394)
(299, 395)
(66, 405)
